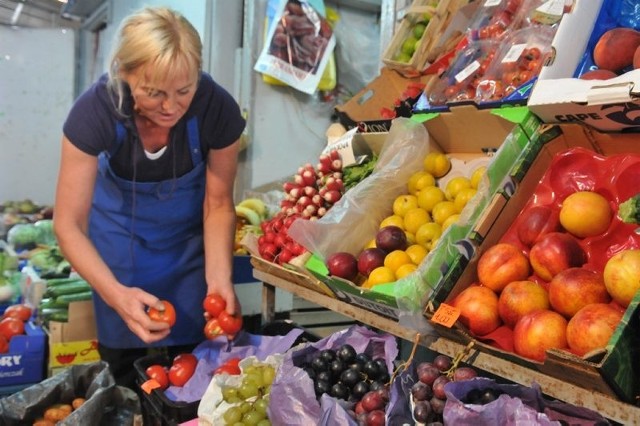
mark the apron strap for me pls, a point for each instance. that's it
(194, 141)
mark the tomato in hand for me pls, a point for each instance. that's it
(10, 327)
(230, 324)
(181, 372)
(158, 373)
(168, 314)
(214, 304)
(212, 329)
(21, 311)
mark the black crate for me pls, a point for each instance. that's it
(156, 407)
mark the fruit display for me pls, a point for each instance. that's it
(250, 213)
(494, 19)
(59, 293)
(412, 32)
(561, 275)
(617, 50)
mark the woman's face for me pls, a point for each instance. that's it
(163, 103)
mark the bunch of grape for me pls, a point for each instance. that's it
(251, 399)
(428, 392)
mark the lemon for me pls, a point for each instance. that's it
(463, 198)
(442, 211)
(428, 233)
(403, 203)
(393, 220)
(415, 218)
(449, 221)
(396, 259)
(380, 275)
(477, 176)
(416, 252)
(429, 197)
(437, 163)
(405, 270)
(455, 185)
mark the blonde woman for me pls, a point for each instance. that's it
(144, 207)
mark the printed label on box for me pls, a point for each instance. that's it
(81, 352)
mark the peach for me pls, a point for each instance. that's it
(535, 222)
(478, 307)
(636, 58)
(622, 276)
(615, 49)
(538, 331)
(592, 327)
(501, 264)
(575, 288)
(519, 298)
(598, 75)
(555, 252)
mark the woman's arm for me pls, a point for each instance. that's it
(219, 223)
(74, 194)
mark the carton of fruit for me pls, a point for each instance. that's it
(419, 31)
(592, 78)
(559, 241)
(359, 217)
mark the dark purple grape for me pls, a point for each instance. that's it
(328, 355)
(339, 391)
(442, 362)
(438, 387)
(310, 372)
(488, 396)
(422, 411)
(356, 366)
(421, 391)
(360, 389)
(428, 374)
(473, 396)
(421, 366)
(464, 373)
(318, 364)
(363, 358)
(346, 353)
(437, 405)
(336, 367)
(325, 376)
(372, 370)
(350, 377)
(320, 387)
(382, 364)
(376, 385)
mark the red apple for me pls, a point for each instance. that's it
(390, 238)
(555, 252)
(343, 264)
(538, 331)
(478, 307)
(575, 288)
(369, 259)
(519, 298)
(502, 264)
(592, 327)
(622, 276)
(535, 222)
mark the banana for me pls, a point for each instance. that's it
(255, 204)
(250, 215)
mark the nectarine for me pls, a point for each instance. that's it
(538, 331)
(502, 264)
(575, 288)
(519, 298)
(615, 48)
(555, 252)
(478, 307)
(585, 214)
(535, 222)
(622, 276)
(592, 327)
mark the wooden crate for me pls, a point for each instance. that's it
(300, 277)
(441, 16)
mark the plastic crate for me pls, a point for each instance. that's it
(157, 408)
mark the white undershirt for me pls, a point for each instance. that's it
(155, 155)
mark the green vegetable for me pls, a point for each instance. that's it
(60, 315)
(53, 282)
(629, 211)
(74, 297)
(23, 236)
(70, 288)
(354, 174)
(46, 235)
(52, 303)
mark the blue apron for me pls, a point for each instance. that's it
(150, 235)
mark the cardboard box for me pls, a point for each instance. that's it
(364, 109)
(298, 276)
(614, 371)
(506, 135)
(441, 16)
(73, 342)
(24, 363)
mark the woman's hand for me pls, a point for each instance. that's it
(131, 304)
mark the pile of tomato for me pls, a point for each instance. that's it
(12, 324)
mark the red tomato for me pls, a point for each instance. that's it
(227, 368)
(20, 311)
(180, 373)
(212, 329)
(168, 314)
(10, 327)
(213, 304)
(230, 324)
(158, 373)
(187, 359)
(233, 361)
(4, 345)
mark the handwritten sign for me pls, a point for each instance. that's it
(446, 315)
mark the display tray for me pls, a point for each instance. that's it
(303, 279)
(158, 408)
(614, 370)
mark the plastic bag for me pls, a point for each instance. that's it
(106, 403)
(516, 405)
(293, 401)
(299, 45)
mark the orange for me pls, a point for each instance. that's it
(415, 218)
(416, 253)
(429, 197)
(585, 214)
(396, 259)
(393, 220)
(380, 275)
(405, 270)
(437, 163)
(404, 202)
(442, 211)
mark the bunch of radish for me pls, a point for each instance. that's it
(308, 196)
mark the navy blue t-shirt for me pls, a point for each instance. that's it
(91, 127)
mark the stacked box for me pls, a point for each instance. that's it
(25, 360)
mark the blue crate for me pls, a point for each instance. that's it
(24, 363)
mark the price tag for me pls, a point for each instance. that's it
(446, 315)
(491, 3)
(514, 53)
(467, 71)
(150, 385)
(549, 12)
(344, 146)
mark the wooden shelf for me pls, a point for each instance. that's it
(608, 407)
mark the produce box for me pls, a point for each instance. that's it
(297, 276)
(25, 360)
(413, 41)
(364, 109)
(507, 134)
(73, 342)
(613, 371)
(560, 96)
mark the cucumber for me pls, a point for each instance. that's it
(74, 297)
(52, 303)
(61, 316)
(76, 287)
(48, 313)
(53, 282)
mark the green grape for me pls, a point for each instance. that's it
(234, 400)
(229, 392)
(245, 407)
(255, 378)
(248, 390)
(239, 424)
(264, 422)
(260, 405)
(268, 374)
(250, 369)
(232, 415)
(252, 417)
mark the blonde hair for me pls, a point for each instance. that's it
(159, 39)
